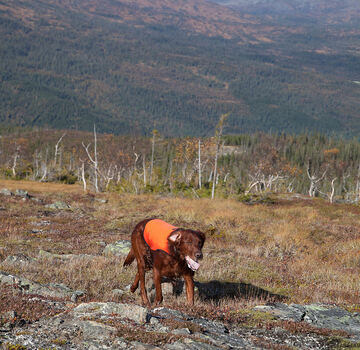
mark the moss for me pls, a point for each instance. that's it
(339, 343)
(59, 341)
(9, 346)
(252, 318)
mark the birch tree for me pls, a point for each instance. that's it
(93, 160)
(57, 151)
(218, 136)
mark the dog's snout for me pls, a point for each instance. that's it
(198, 255)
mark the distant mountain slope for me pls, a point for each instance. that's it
(321, 11)
(131, 66)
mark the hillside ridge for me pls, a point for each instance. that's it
(175, 66)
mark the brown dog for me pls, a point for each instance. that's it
(170, 251)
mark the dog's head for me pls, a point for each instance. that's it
(188, 245)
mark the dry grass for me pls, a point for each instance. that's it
(39, 187)
(305, 250)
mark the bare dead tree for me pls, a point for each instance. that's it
(218, 136)
(57, 151)
(331, 197)
(357, 186)
(199, 162)
(110, 174)
(15, 159)
(314, 180)
(36, 161)
(93, 160)
(44, 166)
(144, 167)
(83, 178)
(152, 154)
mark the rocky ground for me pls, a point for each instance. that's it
(67, 318)
(110, 325)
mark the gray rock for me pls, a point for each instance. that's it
(18, 259)
(140, 346)
(136, 313)
(101, 200)
(76, 295)
(318, 315)
(87, 327)
(117, 292)
(6, 192)
(58, 206)
(181, 331)
(283, 311)
(215, 336)
(189, 344)
(22, 193)
(8, 315)
(54, 290)
(119, 248)
(92, 329)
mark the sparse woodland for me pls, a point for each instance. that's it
(248, 166)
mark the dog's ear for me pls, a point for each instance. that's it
(175, 237)
(202, 235)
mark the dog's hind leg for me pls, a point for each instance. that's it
(141, 273)
(135, 284)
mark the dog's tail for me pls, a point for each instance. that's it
(130, 258)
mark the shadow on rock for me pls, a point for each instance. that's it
(216, 291)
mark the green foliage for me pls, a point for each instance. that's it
(67, 177)
(251, 198)
(6, 172)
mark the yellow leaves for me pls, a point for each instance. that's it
(186, 150)
(291, 170)
(331, 152)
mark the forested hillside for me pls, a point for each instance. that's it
(131, 67)
(247, 165)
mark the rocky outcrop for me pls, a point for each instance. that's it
(5, 192)
(58, 206)
(51, 290)
(110, 325)
(318, 315)
(119, 248)
(127, 326)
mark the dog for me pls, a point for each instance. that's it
(169, 251)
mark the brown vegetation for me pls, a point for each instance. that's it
(303, 250)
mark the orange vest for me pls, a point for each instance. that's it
(156, 234)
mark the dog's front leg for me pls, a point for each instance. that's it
(189, 283)
(157, 282)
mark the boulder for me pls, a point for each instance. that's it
(318, 315)
(58, 206)
(119, 248)
(6, 192)
(22, 193)
(136, 313)
(50, 290)
(18, 259)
